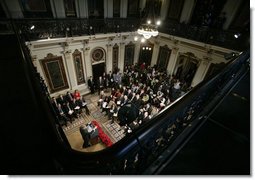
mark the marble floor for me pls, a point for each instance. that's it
(114, 131)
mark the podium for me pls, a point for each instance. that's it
(93, 134)
(94, 137)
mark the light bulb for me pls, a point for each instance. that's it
(135, 38)
(158, 22)
(149, 21)
(142, 40)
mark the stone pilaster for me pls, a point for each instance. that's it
(201, 72)
(121, 56)
(108, 61)
(172, 61)
(154, 57)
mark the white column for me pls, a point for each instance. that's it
(187, 11)
(83, 88)
(53, 9)
(154, 57)
(121, 57)
(83, 8)
(230, 8)
(172, 61)
(59, 8)
(137, 51)
(88, 65)
(77, 8)
(142, 4)
(123, 8)
(70, 69)
(164, 9)
(108, 8)
(105, 8)
(14, 8)
(109, 59)
(200, 73)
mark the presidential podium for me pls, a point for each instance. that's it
(94, 138)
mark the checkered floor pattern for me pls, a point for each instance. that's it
(75, 125)
(115, 131)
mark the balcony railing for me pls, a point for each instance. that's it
(55, 28)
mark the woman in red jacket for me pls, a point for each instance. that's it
(77, 95)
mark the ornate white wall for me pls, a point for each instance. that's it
(64, 47)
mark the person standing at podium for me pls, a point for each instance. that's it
(85, 136)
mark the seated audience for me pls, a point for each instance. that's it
(76, 95)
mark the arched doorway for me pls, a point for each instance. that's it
(145, 53)
(98, 62)
(98, 70)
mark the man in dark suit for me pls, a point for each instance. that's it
(85, 135)
(61, 100)
(110, 79)
(91, 85)
(100, 84)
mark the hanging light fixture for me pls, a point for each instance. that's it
(149, 25)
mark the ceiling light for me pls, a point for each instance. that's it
(142, 40)
(237, 35)
(148, 27)
(32, 27)
(135, 38)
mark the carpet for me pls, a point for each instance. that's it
(114, 130)
(88, 101)
(97, 114)
(74, 126)
(92, 107)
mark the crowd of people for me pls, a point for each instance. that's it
(69, 106)
(148, 88)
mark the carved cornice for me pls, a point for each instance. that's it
(50, 56)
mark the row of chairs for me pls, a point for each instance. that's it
(68, 107)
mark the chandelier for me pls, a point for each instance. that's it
(149, 29)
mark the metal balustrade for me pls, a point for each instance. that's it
(56, 28)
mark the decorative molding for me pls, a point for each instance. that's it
(124, 37)
(176, 42)
(111, 38)
(78, 66)
(67, 52)
(54, 71)
(98, 55)
(50, 56)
